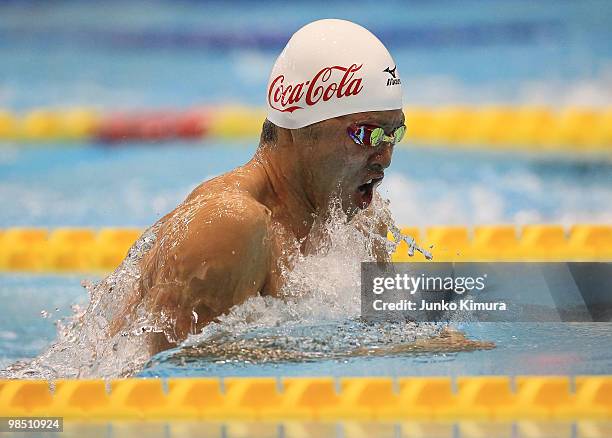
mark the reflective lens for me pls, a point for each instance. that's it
(368, 135)
(398, 134)
(377, 136)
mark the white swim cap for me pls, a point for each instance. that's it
(330, 68)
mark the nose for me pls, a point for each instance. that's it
(381, 158)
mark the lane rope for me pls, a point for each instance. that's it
(573, 129)
(101, 250)
(314, 398)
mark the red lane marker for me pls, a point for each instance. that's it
(154, 126)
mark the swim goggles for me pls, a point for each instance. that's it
(368, 135)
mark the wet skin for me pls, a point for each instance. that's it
(233, 235)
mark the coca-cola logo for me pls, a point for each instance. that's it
(290, 97)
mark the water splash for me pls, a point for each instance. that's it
(316, 317)
(85, 346)
(410, 241)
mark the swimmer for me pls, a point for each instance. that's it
(334, 114)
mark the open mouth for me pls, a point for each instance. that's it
(365, 191)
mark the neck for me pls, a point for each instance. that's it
(285, 185)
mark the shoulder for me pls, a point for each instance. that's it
(229, 214)
(226, 198)
(224, 229)
(235, 213)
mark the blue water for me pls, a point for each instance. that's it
(142, 54)
(521, 348)
(135, 186)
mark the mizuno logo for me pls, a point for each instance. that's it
(393, 80)
(391, 72)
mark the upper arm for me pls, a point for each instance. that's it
(210, 257)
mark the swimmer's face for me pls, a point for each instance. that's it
(340, 168)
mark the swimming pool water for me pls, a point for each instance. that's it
(135, 186)
(521, 348)
(143, 54)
